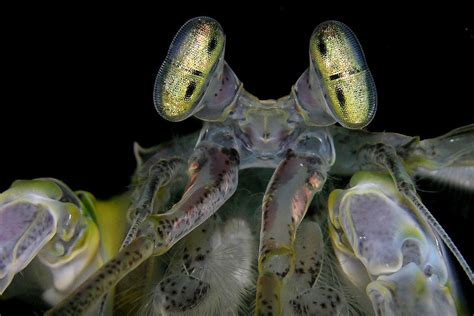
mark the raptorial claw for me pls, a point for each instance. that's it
(213, 180)
(31, 212)
(375, 231)
(35, 212)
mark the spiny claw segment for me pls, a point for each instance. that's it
(157, 175)
(213, 179)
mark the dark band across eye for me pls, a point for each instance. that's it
(348, 85)
(185, 73)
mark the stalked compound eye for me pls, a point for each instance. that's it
(347, 83)
(193, 56)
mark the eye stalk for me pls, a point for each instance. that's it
(194, 56)
(338, 82)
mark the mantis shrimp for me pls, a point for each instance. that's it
(270, 209)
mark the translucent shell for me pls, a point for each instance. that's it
(184, 75)
(348, 86)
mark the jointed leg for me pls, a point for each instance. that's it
(152, 179)
(298, 177)
(213, 179)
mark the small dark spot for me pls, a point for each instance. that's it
(190, 90)
(197, 73)
(322, 45)
(323, 305)
(340, 97)
(200, 258)
(212, 45)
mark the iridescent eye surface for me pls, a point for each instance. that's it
(184, 76)
(348, 85)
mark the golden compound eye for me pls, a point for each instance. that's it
(348, 85)
(184, 76)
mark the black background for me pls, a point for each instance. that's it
(78, 79)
